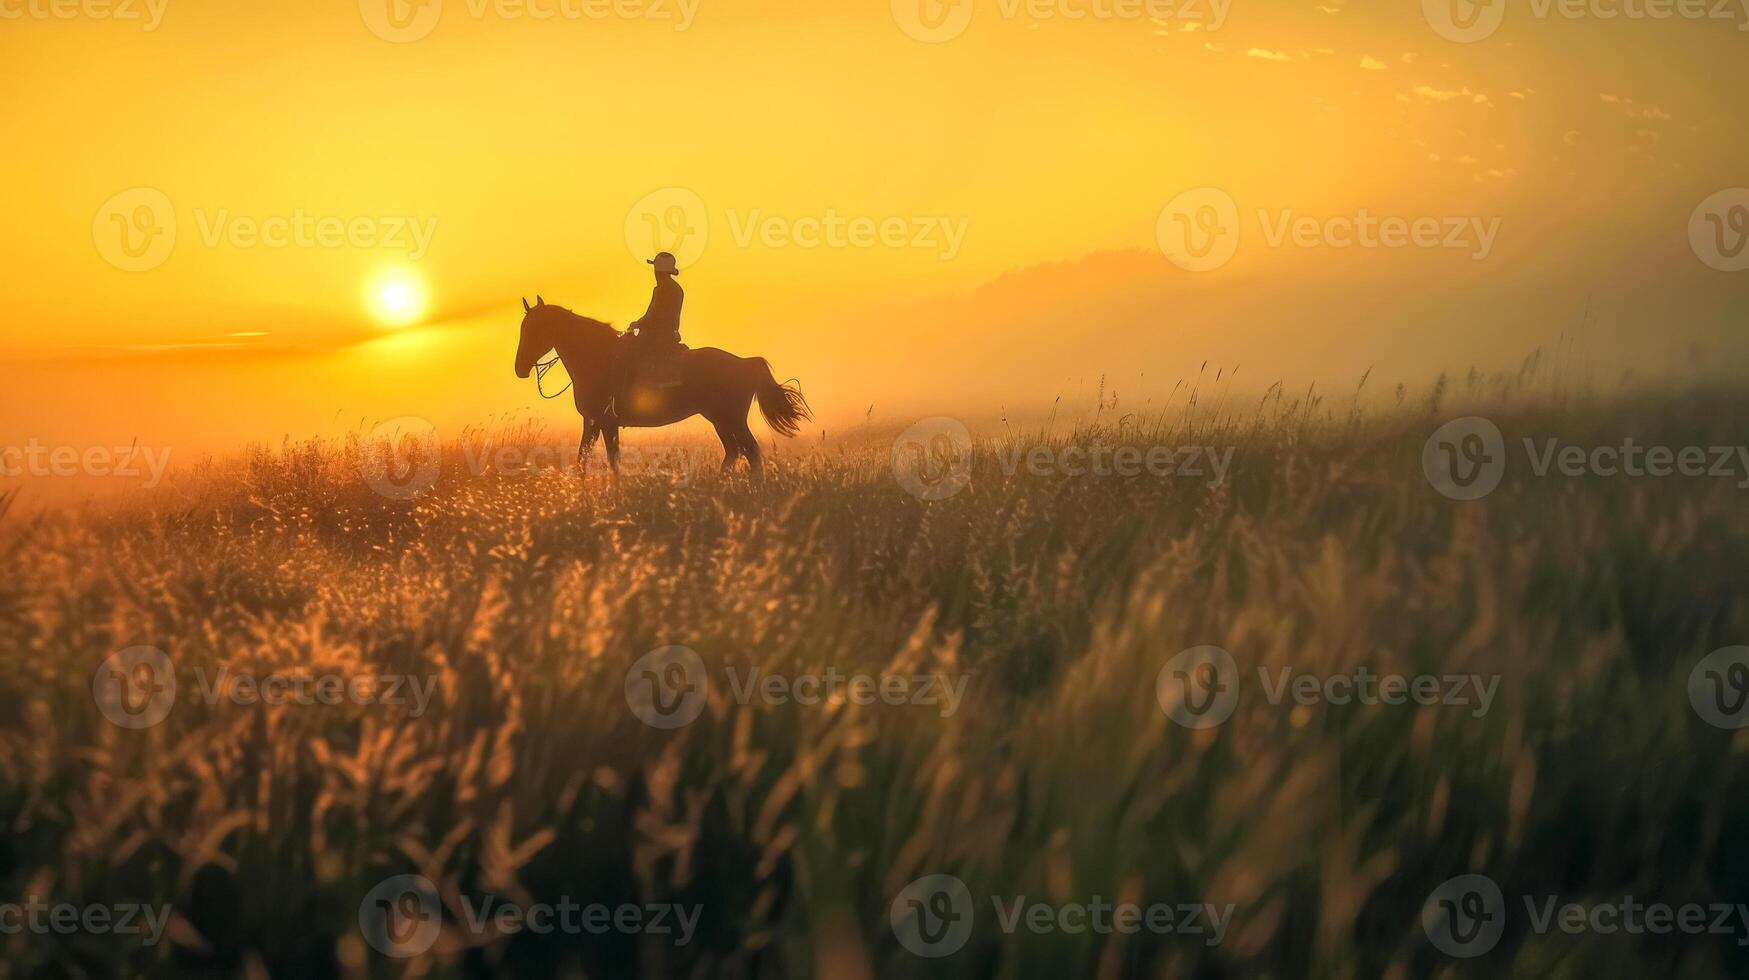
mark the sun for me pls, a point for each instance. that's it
(396, 297)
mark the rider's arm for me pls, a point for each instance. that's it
(649, 312)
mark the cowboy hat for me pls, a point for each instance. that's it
(664, 262)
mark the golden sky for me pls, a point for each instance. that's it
(845, 186)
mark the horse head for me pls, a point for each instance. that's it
(537, 335)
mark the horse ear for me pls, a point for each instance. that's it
(538, 301)
(525, 308)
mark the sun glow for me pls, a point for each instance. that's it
(396, 297)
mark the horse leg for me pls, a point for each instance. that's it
(610, 436)
(731, 444)
(749, 445)
(586, 446)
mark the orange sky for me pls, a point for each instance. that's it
(492, 152)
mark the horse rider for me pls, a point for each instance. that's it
(661, 322)
(655, 336)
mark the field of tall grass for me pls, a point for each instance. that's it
(516, 615)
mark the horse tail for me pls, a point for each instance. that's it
(782, 405)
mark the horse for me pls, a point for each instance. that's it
(713, 383)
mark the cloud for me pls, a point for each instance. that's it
(1266, 55)
(1429, 94)
(1216, 48)
(1408, 57)
(1371, 64)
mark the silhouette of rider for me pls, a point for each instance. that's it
(661, 322)
(654, 337)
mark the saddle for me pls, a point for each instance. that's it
(653, 363)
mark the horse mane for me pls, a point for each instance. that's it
(579, 320)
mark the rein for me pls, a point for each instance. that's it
(540, 371)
